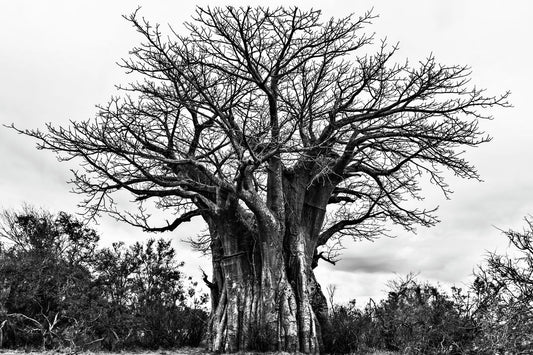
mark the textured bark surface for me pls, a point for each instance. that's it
(264, 293)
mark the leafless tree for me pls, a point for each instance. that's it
(280, 131)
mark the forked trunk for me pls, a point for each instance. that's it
(262, 291)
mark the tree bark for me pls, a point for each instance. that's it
(264, 293)
(260, 301)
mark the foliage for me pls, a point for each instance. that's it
(345, 332)
(419, 318)
(46, 283)
(502, 295)
(493, 316)
(58, 290)
(144, 289)
(415, 318)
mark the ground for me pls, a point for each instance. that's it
(181, 351)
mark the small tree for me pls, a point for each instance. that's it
(283, 134)
(146, 302)
(46, 282)
(39, 232)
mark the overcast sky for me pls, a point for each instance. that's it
(57, 60)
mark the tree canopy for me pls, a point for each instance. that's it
(284, 134)
(253, 91)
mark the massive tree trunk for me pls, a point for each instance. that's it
(264, 293)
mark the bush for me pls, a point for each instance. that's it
(495, 316)
(346, 330)
(415, 318)
(57, 290)
(419, 318)
(502, 297)
(44, 271)
(144, 289)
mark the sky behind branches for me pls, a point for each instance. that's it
(57, 61)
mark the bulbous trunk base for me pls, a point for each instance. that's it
(251, 319)
(263, 296)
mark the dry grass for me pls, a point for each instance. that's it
(181, 351)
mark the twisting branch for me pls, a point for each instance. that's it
(254, 104)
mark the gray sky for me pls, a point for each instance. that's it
(57, 61)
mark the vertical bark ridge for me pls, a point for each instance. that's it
(268, 297)
(256, 306)
(305, 210)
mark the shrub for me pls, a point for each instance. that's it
(415, 318)
(418, 318)
(58, 290)
(502, 297)
(44, 271)
(346, 330)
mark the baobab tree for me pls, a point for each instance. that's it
(284, 133)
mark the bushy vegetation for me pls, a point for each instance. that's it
(57, 289)
(501, 298)
(415, 318)
(493, 316)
